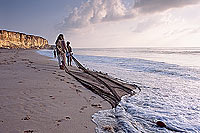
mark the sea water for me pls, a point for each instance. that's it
(169, 79)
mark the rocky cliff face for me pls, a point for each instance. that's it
(9, 39)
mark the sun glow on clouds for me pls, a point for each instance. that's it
(139, 23)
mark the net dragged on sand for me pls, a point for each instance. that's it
(101, 84)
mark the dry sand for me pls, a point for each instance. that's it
(36, 96)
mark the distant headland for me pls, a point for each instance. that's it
(11, 39)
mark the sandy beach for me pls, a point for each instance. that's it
(36, 96)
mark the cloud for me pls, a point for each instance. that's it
(96, 11)
(99, 11)
(146, 24)
(151, 6)
(195, 30)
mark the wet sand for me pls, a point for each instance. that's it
(36, 96)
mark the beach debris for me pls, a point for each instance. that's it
(26, 118)
(96, 105)
(108, 128)
(28, 131)
(161, 124)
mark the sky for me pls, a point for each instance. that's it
(107, 23)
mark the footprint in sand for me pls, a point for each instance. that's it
(26, 118)
(60, 75)
(29, 131)
(13, 61)
(62, 79)
(33, 67)
(92, 97)
(25, 59)
(74, 85)
(82, 108)
(67, 118)
(96, 105)
(102, 101)
(78, 91)
(31, 62)
(88, 101)
(52, 97)
(20, 82)
(61, 120)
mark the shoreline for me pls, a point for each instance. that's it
(35, 95)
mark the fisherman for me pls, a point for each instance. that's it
(61, 51)
(69, 54)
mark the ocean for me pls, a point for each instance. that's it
(169, 79)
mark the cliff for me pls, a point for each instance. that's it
(9, 39)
